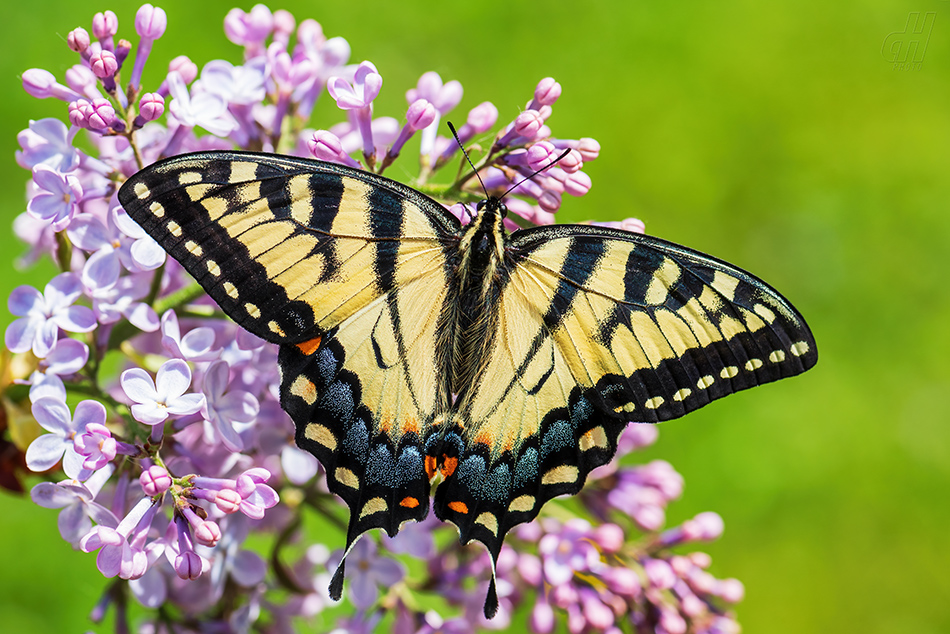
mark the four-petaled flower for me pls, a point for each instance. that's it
(156, 400)
(58, 197)
(77, 499)
(42, 315)
(222, 410)
(53, 416)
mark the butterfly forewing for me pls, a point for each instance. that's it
(287, 247)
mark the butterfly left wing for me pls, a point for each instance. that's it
(348, 272)
(594, 328)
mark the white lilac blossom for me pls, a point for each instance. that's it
(168, 479)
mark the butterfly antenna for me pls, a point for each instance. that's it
(462, 147)
(527, 178)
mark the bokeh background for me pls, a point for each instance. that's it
(779, 136)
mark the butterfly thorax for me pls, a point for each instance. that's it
(479, 270)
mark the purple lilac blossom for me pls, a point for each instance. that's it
(229, 467)
(57, 199)
(43, 315)
(154, 401)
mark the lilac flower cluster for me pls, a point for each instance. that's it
(165, 466)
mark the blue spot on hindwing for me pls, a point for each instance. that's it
(356, 442)
(497, 487)
(379, 467)
(326, 365)
(558, 435)
(455, 441)
(409, 466)
(527, 467)
(581, 412)
(471, 473)
(338, 400)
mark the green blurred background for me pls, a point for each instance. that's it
(773, 135)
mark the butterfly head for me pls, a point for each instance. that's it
(492, 206)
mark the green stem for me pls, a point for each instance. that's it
(178, 298)
(284, 576)
(64, 251)
(156, 286)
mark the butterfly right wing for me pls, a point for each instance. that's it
(593, 328)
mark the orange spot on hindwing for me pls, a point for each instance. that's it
(430, 466)
(448, 465)
(309, 347)
(409, 502)
(459, 507)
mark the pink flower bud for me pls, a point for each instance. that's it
(150, 22)
(577, 184)
(547, 91)
(634, 225)
(80, 78)
(599, 616)
(692, 606)
(188, 565)
(700, 560)
(103, 64)
(228, 501)
(681, 565)
(122, 50)
(78, 39)
(482, 117)
(151, 106)
(77, 112)
(105, 25)
(102, 114)
(529, 567)
(589, 149)
(207, 533)
(155, 481)
(540, 155)
(659, 573)
(325, 146)
(528, 123)
(310, 33)
(184, 67)
(609, 537)
(38, 82)
(623, 581)
(550, 201)
(284, 22)
(730, 590)
(542, 617)
(710, 525)
(571, 162)
(672, 622)
(701, 581)
(420, 114)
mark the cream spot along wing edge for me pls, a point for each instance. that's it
(596, 328)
